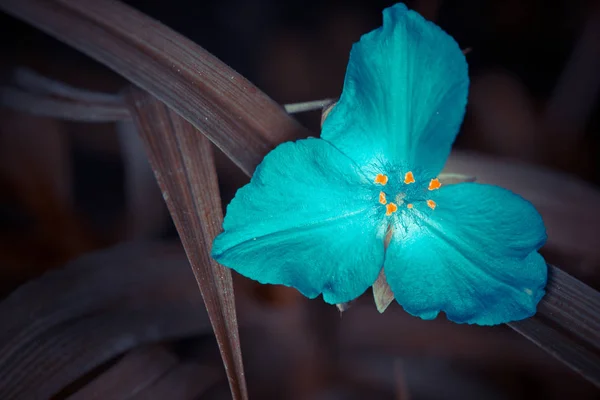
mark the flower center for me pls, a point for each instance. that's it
(409, 192)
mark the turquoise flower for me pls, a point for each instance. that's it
(326, 215)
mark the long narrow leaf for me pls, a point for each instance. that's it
(183, 163)
(567, 324)
(63, 325)
(240, 119)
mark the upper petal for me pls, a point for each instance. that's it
(474, 257)
(404, 95)
(308, 219)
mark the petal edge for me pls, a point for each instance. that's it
(404, 95)
(305, 220)
(475, 257)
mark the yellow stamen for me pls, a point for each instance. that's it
(409, 178)
(382, 199)
(431, 204)
(435, 184)
(381, 179)
(390, 209)
(409, 205)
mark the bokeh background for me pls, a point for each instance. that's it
(70, 190)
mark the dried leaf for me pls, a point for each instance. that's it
(132, 374)
(63, 325)
(183, 163)
(44, 105)
(567, 324)
(188, 381)
(241, 120)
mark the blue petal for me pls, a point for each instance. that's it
(404, 95)
(474, 257)
(309, 220)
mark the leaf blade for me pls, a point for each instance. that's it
(183, 75)
(183, 163)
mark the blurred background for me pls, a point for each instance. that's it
(79, 204)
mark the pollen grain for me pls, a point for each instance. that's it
(409, 205)
(390, 208)
(409, 178)
(435, 184)
(381, 179)
(382, 199)
(431, 204)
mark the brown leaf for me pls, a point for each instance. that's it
(63, 325)
(183, 163)
(183, 75)
(567, 324)
(132, 374)
(67, 109)
(188, 381)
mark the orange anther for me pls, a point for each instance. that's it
(390, 209)
(409, 178)
(431, 204)
(382, 199)
(381, 179)
(435, 184)
(409, 205)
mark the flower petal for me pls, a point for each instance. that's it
(404, 95)
(308, 219)
(474, 257)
